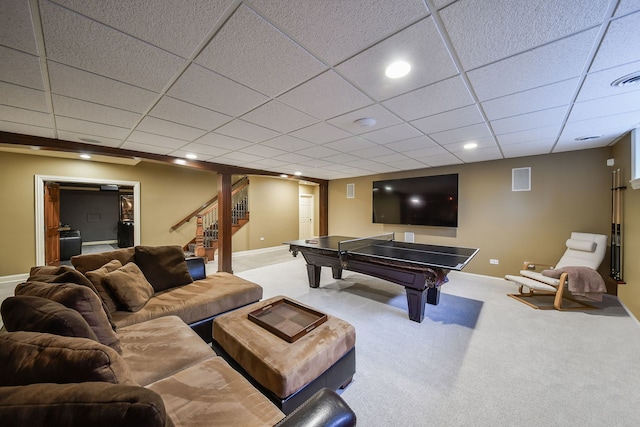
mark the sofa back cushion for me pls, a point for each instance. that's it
(36, 314)
(88, 262)
(97, 278)
(163, 266)
(130, 286)
(35, 357)
(80, 298)
(93, 404)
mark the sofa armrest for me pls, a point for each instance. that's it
(324, 409)
(81, 404)
(196, 266)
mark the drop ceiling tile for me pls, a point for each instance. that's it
(27, 129)
(155, 140)
(170, 129)
(22, 97)
(367, 164)
(203, 150)
(407, 164)
(320, 133)
(462, 134)
(464, 116)
(80, 84)
(603, 125)
(541, 98)
(382, 117)
(325, 96)
(341, 159)
(263, 151)
(421, 153)
(83, 110)
(20, 68)
(28, 117)
(288, 143)
(346, 28)
(552, 116)
(420, 45)
(177, 27)
(550, 132)
(442, 160)
(412, 144)
(626, 6)
(223, 141)
(246, 40)
(519, 26)
(318, 152)
(620, 43)
(200, 86)
(247, 131)
(392, 134)
(271, 163)
(315, 163)
(239, 157)
(178, 111)
(294, 158)
(374, 152)
(561, 60)
(479, 154)
(145, 148)
(608, 106)
(434, 99)
(572, 145)
(80, 42)
(91, 128)
(15, 26)
(352, 143)
(89, 139)
(598, 84)
(458, 147)
(279, 117)
(531, 148)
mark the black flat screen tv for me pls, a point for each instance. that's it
(426, 200)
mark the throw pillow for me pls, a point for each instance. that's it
(130, 286)
(36, 314)
(34, 357)
(97, 277)
(80, 298)
(163, 266)
(89, 262)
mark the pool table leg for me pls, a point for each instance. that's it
(416, 300)
(313, 272)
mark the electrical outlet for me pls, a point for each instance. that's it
(494, 261)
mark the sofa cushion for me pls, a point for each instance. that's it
(97, 276)
(95, 404)
(130, 286)
(161, 347)
(80, 298)
(202, 299)
(88, 262)
(35, 357)
(163, 266)
(36, 314)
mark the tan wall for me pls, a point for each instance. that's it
(168, 193)
(570, 192)
(629, 293)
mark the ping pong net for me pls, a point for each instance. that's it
(355, 244)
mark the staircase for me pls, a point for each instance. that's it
(205, 243)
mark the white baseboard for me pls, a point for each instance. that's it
(13, 280)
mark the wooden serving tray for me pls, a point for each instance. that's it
(287, 319)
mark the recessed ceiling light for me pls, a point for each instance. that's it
(365, 122)
(284, 175)
(470, 146)
(180, 161)
(297, 173)
(628, 80)
(191, 156)
(85, 156)
(587, 138)
(397, 69)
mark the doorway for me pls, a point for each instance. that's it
(305, 210)
(39, 198)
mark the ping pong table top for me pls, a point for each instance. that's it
(385, 247)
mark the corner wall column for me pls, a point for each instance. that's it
(323, 226)
(224, 223)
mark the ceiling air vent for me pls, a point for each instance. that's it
(627, 80)
(587, 138)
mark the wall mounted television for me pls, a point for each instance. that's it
(426, 200)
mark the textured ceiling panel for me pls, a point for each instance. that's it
(620, 44)
(279, 117)
(178, 111)
(16, 30)
(20, 68)
(23, 97)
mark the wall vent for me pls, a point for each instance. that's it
(521, 179)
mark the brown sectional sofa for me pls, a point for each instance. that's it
(69, 358)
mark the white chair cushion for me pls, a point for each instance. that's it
(581, 245)
(530, 283)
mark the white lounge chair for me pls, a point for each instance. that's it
(583, 250)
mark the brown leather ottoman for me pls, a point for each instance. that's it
(287, 373)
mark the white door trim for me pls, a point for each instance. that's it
(39, 205)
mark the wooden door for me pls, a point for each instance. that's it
(52, 223)
(305, 210)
